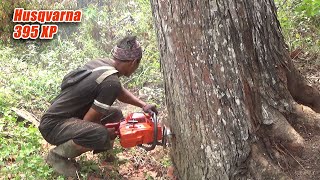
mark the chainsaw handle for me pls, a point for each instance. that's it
(115, 126)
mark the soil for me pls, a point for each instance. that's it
(306, 166)
(309, 66)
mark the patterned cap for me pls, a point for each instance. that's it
(128, 54)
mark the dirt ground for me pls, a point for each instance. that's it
(308, 65)
(308, 164)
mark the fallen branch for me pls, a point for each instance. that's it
(22, 113)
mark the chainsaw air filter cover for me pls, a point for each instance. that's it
(137, 129)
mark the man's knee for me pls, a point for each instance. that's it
(95, 137)
(103, 139)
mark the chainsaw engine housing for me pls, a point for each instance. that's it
(138, 128)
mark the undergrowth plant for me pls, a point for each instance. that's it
(20, 148)
(300, 23)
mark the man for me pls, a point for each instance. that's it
(74, 120)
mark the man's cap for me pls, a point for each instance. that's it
(128, 54)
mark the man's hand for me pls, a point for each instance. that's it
(127, 97)
(149, 108)
(112, 133)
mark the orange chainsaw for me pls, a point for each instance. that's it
(139, 129)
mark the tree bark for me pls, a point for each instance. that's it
(230, 86)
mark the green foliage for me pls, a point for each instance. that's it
(5, 102)
(33, 87)
(166, 162)
(300, 22)
(87, 167)
(309, 8)
(20, 155)
(105, 26)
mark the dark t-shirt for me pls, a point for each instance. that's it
(76, 100)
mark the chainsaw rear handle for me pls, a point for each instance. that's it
(115, 126)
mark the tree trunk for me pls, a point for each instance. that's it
(230, 88)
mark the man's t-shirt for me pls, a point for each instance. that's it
(76, 100)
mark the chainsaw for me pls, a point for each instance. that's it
(140, 129)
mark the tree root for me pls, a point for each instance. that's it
(261, 166)
(306, 117)
(276, 128)
(276, 151)
(280, 142)
(282, 132)
(301, 91)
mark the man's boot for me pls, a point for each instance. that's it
(58, 158)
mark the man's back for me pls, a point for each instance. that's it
(76, 100)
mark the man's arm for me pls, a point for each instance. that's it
(93, 116)
(108, 92)
(127, 97)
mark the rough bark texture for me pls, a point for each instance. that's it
(226, 70)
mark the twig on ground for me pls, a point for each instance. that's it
(293, 157)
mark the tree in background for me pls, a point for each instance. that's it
(231, 88)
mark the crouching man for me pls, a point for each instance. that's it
(74, 121)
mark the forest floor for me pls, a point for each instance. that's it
(307, 165)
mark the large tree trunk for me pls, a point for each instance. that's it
(230, 88)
